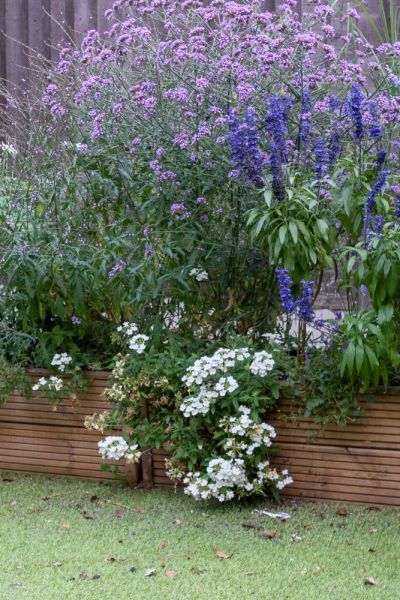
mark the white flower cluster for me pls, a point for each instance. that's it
(137, 341)
(198, 404)
(223, 476)
(114, 447)
(98, 421)
(128, 329)
(275, 339)
(266, 473)
(8, 149)
(52, 384)
(245, 434)
(262, 363)
(206, 366)
(61, 361)
(199, 274)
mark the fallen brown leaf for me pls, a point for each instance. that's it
(295, 538)
(85, 576)
(96, 500)
(196, 571)
(176, 522)
(249, 573)
(162, 545)
(251, 525)
(268, 534)
(65, 526)
(223, 555)
(342, 512)
(170, 573)
(308, 526)
(371, 550)
(150, 572)
(373, 530)
(370, 581)
(119, 514)
(138, 509)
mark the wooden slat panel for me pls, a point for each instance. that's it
(34, 437)
(356, 463)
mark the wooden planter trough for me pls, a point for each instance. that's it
(38, 437)
(357, 463)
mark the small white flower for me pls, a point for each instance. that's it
(199, 274)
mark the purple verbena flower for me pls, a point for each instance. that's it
(179, 210)
(75, 320)
(117, 268)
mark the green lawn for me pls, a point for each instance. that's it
(76, 545)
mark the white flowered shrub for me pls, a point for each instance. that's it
(208, 411)
(66, 383)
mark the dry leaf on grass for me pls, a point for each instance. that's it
(370, 581)
(170, 573)
(176, 522)
(65, 526)
(150, 572)
(222, 555)
(342, 512)
(268, 534)
(251, 525)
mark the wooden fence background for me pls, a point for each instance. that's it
(35, 25)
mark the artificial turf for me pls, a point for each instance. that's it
(62, 538)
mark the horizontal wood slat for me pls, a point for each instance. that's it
(356, 463)
(38, 437)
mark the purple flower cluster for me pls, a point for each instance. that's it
(179, 210)
(305, 117)
(321, 158)
(285, 282)
(355, 102)
(303, 306)
(117, 268)
(277, 122)
(244, 144)
(371, 198)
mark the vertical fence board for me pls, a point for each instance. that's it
(62, 23)
(102, 6)
(85, 15)
(16, 42)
